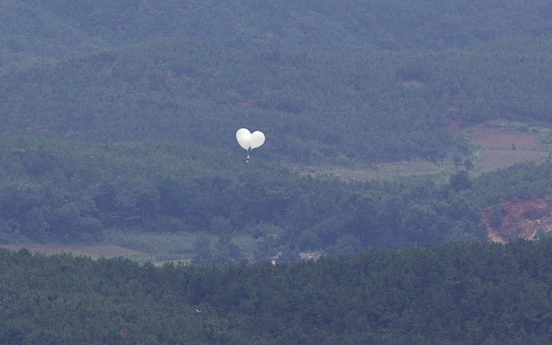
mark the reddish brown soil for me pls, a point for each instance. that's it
(455, 125)
(503, 148)
(414, 84)
(519, 219)
(493, 139)
(493, 160)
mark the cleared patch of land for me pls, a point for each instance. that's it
(95, 252)
(500, 144)
(395, 170)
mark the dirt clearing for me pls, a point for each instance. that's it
(500, 144)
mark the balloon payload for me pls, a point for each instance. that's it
(249, 141)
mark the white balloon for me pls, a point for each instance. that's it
(241, 132)
(245, 141)
(257, 139)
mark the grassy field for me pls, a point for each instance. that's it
(95, 252)
(415, 168)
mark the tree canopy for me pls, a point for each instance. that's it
(448, 294)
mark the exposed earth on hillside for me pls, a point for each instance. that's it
(500, 144)
(518, 219)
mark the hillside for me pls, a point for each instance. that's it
(315, 110)
(35, 32)
(119, 121)
(347, 84)
(180, 202)
(401, 137)
(448, 294)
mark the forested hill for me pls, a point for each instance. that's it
(67, 191)
(317, 26)
(43, 30)
(380, 107)
(333, 82)
(451, 294)
(118, 127)
(119, 117)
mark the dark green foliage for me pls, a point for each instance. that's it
(314, 109)
(327, 82)
(448, 294)
(496, 218)
(460, 181)
(34, 30)
(521, 181)
(83, 190)
(133, 106)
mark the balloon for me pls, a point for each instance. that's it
(257, 139)
(245, 141)
(241, 132)
(244, 138)
(249, 141)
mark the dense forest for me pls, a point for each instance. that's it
(330, 83)
(338, 109)
(118, 127)
(77, 192)
(469, 293)
(125, 125)
(49, 30)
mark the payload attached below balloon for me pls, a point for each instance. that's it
(249, 141)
